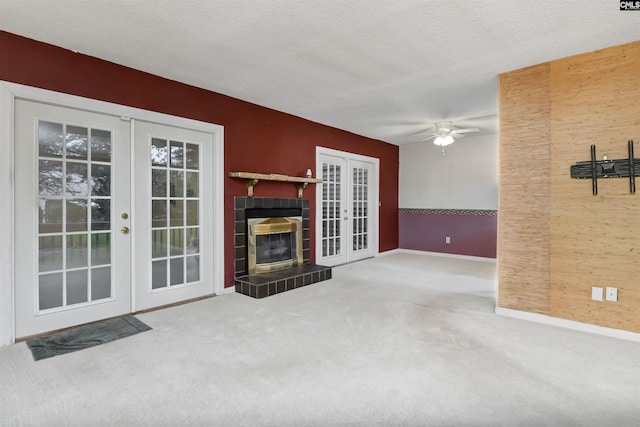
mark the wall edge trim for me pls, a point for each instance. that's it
(466, 212)
(568, 324)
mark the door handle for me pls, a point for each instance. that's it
(124, 230)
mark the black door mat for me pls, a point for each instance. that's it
(85, 336)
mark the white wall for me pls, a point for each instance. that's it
(465, 178)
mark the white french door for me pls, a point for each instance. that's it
(112, 215)
(346, 207)
(173, 223)
(72, 179)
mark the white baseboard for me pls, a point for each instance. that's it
(440, 254)
(229, 290)
(386, 253)
(569, 324)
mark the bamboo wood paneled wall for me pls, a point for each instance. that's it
(588, 240)
(524, 192)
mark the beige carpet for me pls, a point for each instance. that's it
(404, 339)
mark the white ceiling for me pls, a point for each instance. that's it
(386, 69)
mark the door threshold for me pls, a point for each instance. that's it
(175, 304)
(55, 331)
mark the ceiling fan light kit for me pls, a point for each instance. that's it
(445, 134)
(443, 140)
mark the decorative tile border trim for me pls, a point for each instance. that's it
(482, 212)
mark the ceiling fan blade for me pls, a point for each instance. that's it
(421, 138)
(457, 135)
(465, 130)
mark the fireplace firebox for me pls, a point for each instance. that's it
(274, 243)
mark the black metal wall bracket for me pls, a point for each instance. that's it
(618, 168)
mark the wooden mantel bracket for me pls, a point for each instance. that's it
(250, 184)
(253, 179)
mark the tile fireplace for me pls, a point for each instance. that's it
(272, 240)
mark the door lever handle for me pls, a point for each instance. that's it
(124, 230)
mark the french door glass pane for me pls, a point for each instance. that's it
(50, 290)
(192, 212)
(193, 240)
(50, 215)
(50, 253)
(50, 139)
(175, 211)
(76, 215)
(77, 254)
(177, 154)
(331, 196)
(193, 156)
(193, 268)
(158, 183)
(176, 238)
(73, 228)
(100, 249)
(100, 179)
(158, 152)
(177, 183)
(159, 243)
(159, 274)
(77, 290)
(176, 271)
(192, 184)
(76, 142)
(359, 213)
(159, 213)
(50, 177)
(100, 145)
(77, 181)
(100, 283)
(100, 214)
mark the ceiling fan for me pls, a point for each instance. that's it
(445, 133)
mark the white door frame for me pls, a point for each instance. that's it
(8, 93)
(375, 180)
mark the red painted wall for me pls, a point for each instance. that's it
(473, 235)
(257, 139)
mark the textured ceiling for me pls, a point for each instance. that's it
(383, 69)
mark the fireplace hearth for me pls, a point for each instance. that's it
(272, 246)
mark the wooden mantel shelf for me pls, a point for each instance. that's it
(254, 178)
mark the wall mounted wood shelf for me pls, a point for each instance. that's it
(253, 179)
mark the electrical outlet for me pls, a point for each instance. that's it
(596, 293)
(612, 294)
(447, 239)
